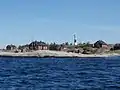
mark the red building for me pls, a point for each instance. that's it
(38, 46)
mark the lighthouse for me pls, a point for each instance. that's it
(75, 40)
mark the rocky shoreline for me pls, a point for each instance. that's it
(48, 53)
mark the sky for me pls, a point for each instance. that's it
(22, 21)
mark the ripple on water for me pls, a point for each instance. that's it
(59, 73)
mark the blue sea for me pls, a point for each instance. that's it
(59, 73)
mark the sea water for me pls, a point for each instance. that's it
(60, 73)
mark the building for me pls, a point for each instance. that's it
(116, 46)
(75, 40)
(38, 45)
(11, 47)
(100, 44)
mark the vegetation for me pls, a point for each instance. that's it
(113, 51)
(85, 48)
(53, 46)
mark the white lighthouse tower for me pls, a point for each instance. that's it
(75, 40)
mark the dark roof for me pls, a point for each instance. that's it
(11, 45)
(117, 44)
(37, 43)
(101, 42)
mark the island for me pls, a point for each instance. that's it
(48, 53)
(42, 49)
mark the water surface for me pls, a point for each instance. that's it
(60, 73)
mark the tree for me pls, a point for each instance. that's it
(53, 46)
(71, 44)
(66, 43)
(20, 47)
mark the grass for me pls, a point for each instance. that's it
(114, 51)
